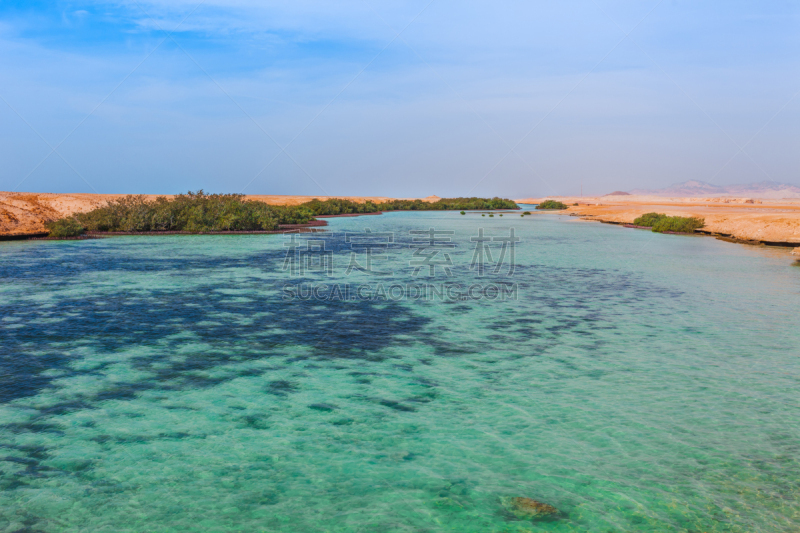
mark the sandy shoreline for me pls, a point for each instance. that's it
(746, 219)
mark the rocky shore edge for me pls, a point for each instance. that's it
(727, 237)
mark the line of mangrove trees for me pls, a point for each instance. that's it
(199, 212)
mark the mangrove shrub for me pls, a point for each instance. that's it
(660, 223)
(551, 204)
(64, 227)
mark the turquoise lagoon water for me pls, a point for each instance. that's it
(637, 382)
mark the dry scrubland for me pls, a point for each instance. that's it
(750, 219)
(26, 213)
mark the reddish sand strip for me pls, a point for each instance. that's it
(282, 228)
(349, 215)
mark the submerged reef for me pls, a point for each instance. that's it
(530, 509)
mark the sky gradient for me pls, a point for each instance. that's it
(511, 98)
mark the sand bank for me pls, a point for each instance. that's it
(746, 219)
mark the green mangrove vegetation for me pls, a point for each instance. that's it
(64, 228)
(193, 212)
(551, 204)
(661, 223)
(337, 206)
(648, 219)
(199, 212)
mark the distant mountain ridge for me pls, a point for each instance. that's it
(694, 188)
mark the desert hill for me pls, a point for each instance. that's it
(771, 190)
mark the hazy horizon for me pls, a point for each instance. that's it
(405, 99)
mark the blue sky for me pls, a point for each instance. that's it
(471, 98)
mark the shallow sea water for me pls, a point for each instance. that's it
(637, 382)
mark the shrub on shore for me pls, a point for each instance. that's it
(679, 224)
(551, 204)
(660, 223)
(648, 219)
(64, 227)
(194, 212)
(198, 212)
